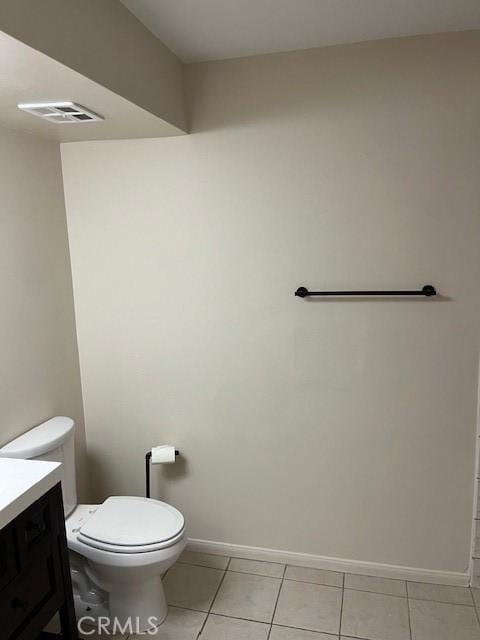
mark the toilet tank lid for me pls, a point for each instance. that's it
(41, 439)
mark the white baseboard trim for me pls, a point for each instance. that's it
(331, 564)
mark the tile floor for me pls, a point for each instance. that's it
(219, 598)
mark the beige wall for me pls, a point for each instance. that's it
(341, 428)
(39, 361)
(106, 43)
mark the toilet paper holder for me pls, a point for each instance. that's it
(148, 459)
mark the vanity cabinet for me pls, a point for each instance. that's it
(34, 572)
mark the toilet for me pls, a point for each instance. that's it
(119, 549)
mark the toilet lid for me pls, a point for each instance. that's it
(125, 521)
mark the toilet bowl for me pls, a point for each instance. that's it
(127, 543)
(119, 549)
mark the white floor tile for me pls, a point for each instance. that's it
(309, 606)
(376, 585)
(204, 560)
(439, 621)
(220, 628)
(476, 596)
(91, 634)
(287, 633)
(270, 569)
(247, 596)
(192, 587)
(315, 576)
(374, 616)
(439, 593)
(181, 624)
(243, 595)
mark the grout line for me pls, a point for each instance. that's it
(327, 634)
(341, 606)
(249, 573)
(215, 555)
(230, 617)
(213, 599)
(179, 606)
(276, 601)
(477, 615)
(227, 568)
(254, 560)
(475, 607)
(368, 575)
(471, 596)
(453, 604)
(204, 566)
(378, 593)
(409, 618)
(319, 584)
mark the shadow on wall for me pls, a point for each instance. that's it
(165, 475)
(98, 477)
(375, 299)
(331, 81)
(161, 477)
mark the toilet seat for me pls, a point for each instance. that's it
(126, 524)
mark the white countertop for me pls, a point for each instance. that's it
(22, 482)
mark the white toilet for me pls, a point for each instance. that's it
(119, 549)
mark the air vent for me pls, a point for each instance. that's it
(60, 112)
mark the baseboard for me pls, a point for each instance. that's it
(331, 564)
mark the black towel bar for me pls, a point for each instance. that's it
(427, 291)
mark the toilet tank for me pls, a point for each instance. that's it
(52, 440)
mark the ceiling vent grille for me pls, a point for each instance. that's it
(60, 112)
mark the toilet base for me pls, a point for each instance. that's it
(134, 609)
(140, 606)
(128, 585)
(88, 612)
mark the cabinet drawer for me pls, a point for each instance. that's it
(28, 594)
(35, 530)
(8, 556)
